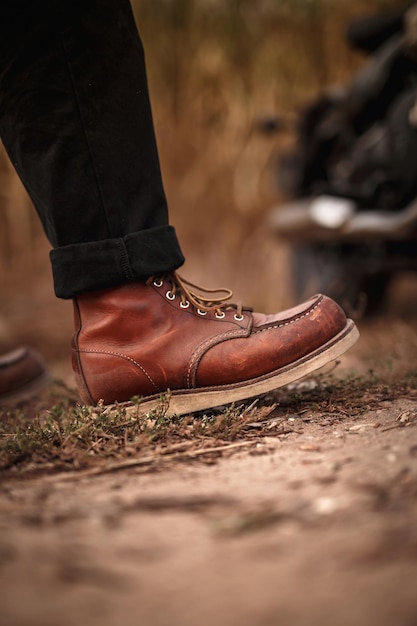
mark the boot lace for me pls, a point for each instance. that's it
(202, 299)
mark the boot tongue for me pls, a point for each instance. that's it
(259, 319)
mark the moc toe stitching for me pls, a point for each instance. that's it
(292, 339)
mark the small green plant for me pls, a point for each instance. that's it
(68, 436)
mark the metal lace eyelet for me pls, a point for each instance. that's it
(158, 283)
(184, 305)
(238, 318)
(200, 312)
(220, 315)
(170, 296)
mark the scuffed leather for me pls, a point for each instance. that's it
(133, 341)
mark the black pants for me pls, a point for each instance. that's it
(76, 122)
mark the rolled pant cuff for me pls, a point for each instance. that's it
(112, 262)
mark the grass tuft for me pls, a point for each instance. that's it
(71, 437)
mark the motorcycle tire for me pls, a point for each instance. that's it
(348, 274)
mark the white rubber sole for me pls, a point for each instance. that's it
(186, 401)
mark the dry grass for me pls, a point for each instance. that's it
(60, 435)
(213, 67)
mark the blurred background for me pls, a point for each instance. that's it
(214, 67)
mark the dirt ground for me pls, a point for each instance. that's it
(308, 516)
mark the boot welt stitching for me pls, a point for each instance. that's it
(122, 356)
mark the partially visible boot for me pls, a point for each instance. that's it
(23, 373)
(147, 339)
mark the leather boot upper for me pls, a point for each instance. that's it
(142, 339)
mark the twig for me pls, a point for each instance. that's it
(384, 430)
(150, 460)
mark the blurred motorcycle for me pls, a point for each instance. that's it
(352, 176)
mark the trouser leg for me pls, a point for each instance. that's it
(76, 121)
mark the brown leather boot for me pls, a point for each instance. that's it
(22, 374)
(147, 339)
